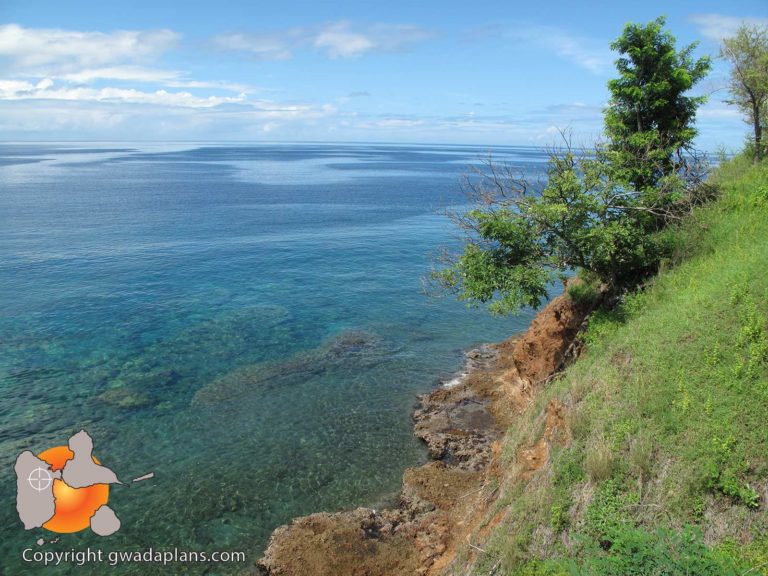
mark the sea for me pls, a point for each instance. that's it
(250, 323)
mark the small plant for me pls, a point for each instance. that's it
(608, 511)
(620, 431)
(641, 456)
(709, 405)
(714, 356)
(729, 484)
(725, 467)
(568, 469)
(739, 292)
(579, 422)
(759, 196)
(560, 518)
(599, 462)
(752, 337)
(698, 507)
(684, 401)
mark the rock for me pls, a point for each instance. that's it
(351, 348)
(124, 397)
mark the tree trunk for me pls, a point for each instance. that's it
(758, 133)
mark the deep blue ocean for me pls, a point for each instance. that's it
(248, 322)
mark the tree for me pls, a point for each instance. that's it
(520, 240)
(747, 52)
(649, 119)
(602, 210)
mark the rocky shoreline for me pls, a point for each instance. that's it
(441, 502)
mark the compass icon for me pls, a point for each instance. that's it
(40, 479)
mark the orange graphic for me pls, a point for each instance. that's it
(74, 506)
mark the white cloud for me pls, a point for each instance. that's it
(591, 55)
(14, 86)
(399, 123)
(21, 119)
(52, 49)
(152, 116)
(576, 50)
(77, 57)
(468, 126)
(127, 73)
(719, 26)
(169, 78)
(89, 85)
(231, 86)
(272, 46)
(45, 90)
(336, 40)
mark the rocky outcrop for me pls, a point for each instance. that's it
(439, 504)
(351, 348)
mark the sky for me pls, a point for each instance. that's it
(428, 71)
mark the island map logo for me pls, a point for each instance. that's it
(65, 489)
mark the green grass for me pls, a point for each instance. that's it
(667, 472)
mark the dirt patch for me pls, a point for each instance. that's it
(533, 459)
(543, 349)
(444, 501)
(556, 432)
(556, 429)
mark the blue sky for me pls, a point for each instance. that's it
(481, 72)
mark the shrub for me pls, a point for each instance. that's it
(637, 552)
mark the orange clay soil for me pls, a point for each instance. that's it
(443, 502)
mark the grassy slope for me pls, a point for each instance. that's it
(669, 418)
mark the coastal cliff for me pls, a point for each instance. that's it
(443, 501)
(646, 455)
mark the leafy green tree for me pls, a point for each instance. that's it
(520, 240)
(602, 210)
(747, 52)
(649, 119)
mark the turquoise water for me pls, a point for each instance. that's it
(247, 322)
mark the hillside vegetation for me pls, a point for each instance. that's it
(666, 467)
